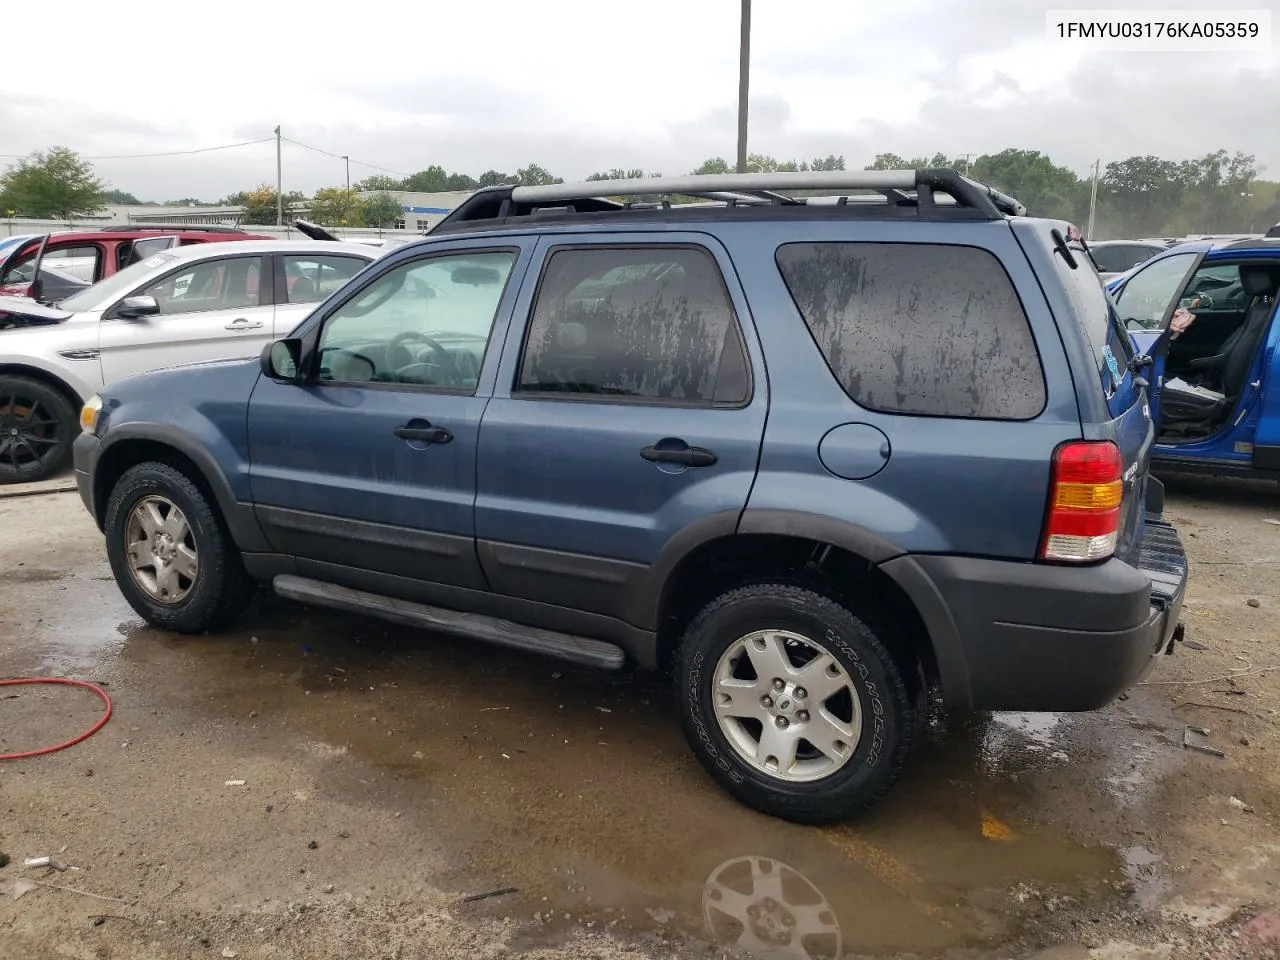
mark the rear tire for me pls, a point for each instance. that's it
(752, 735)
(172, 558)
(37, 427)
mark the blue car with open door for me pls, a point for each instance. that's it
(1202, 318)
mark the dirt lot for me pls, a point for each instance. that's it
(390, 774)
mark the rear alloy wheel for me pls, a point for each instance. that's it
(793, 703)
(37, 428)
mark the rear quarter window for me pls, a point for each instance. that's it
(928, 329)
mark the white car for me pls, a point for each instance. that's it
(209, 301)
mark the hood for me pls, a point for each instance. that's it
(24, 312)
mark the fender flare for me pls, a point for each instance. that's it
(240, 518)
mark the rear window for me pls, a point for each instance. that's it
(1092, 306)
(927, 329)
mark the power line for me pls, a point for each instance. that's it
(170, 153)
(340, 156)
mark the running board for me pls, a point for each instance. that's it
(504, 633)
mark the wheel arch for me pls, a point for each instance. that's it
(48, 378)
(791, 546)
(130, 445)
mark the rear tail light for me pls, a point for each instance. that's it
(1084, 502)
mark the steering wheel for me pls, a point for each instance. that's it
(398, 344)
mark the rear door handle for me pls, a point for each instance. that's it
(243, 324)
(683, 454)
(424, 433)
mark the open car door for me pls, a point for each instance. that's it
(149, 247)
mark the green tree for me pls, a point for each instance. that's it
(434, 179)
(260, 204)
(535, 175)
(336, 207)
(712, 166)
(52, 184)
(120, 197)
(494, 178)
(461, 181)
(892, 161)
(1046, 189)
(380, 209)
(379, 181)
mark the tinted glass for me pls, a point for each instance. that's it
(1145, 298)
(425, 323)
(1091, 306)
(647, 323)
(915, 328)
(212, 285)
(309, 279)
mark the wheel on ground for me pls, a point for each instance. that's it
(171, 556)
(793, 703)
(37, 427)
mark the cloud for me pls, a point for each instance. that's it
(598, 91)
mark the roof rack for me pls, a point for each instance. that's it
(193, 227)
(914, 189)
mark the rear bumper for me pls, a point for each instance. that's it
(1023, 636)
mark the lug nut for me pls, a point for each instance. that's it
(766, 701)
(782, 721)
(800, 693)
(802, 716)
(778, 685)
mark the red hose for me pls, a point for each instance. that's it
(59, 681)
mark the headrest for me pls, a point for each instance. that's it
(1258, 280)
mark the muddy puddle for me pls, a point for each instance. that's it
(577, 790)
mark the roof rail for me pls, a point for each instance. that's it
(897, 188)
(193, 227)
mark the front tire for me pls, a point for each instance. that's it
(793, 704)
(37, 427)
(171, 556)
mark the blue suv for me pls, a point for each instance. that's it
(830, 447)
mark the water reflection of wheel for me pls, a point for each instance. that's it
(770, 910)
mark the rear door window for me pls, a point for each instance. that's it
(927, 329)
(311, 278)
(650, 324)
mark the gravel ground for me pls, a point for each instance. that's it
(390, 774)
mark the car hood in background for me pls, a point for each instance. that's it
(25, 312)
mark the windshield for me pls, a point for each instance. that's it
(114, 286)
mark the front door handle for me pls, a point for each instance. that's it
(677, 451)
(423, 432)
(242, 324)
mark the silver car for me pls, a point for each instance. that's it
(183, 305)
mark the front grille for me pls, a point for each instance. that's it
(1161, 557)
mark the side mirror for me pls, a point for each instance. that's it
(281, 360)
(137, 308)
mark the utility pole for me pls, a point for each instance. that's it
(1093, 199)
(279, 184)
(744, 67)
(348, 162)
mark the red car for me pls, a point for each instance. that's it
(60, 264)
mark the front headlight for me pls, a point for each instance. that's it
(89, 414)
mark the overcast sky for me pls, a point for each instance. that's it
(582, 86)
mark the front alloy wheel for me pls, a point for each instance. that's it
(161, 547)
